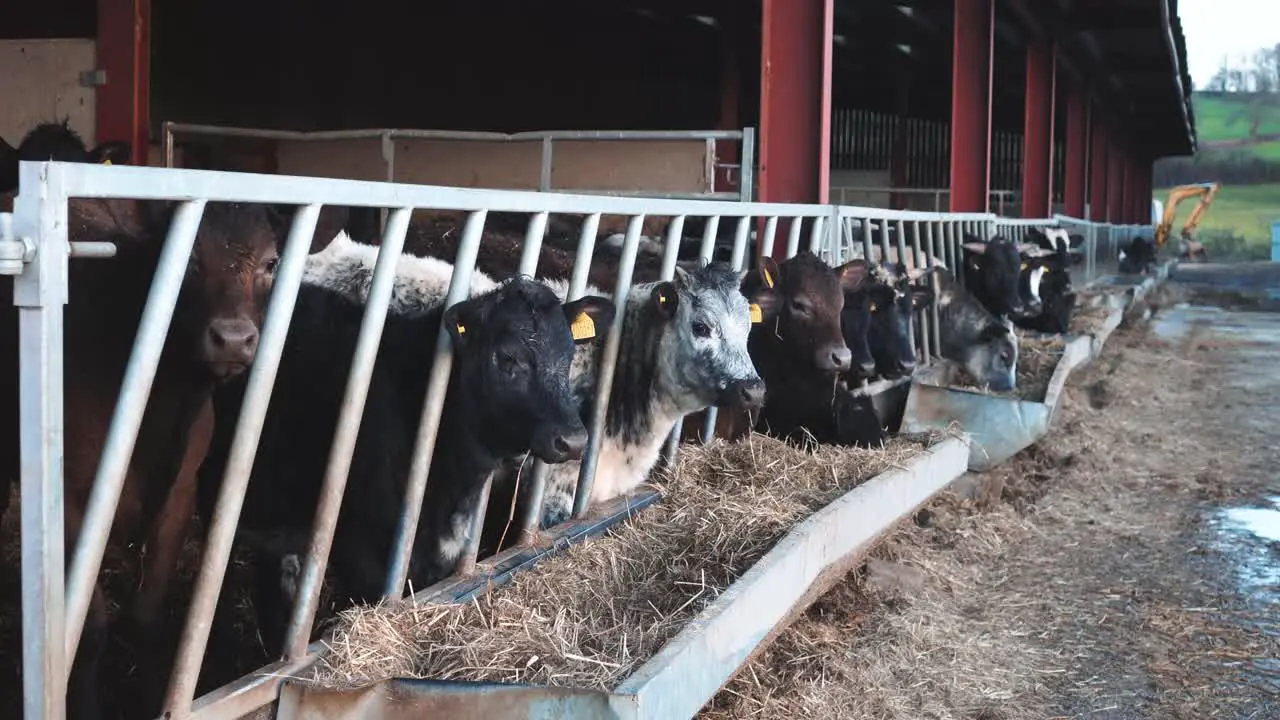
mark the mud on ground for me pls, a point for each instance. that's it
(1077, 580)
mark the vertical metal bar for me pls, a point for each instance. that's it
(582, 260)
(933, 285)
(544, 170)
(738, 259)
(866, 241)
(816, 235)
(884, 244)
(707, 249)
(670, 254)
(531, 519)
(168, 143)
(466, 564)
(793, 237)
(244, 447)
(40, 292)
(338, 468)
(747, 172)
(928, 264)
(902, 255)
(608, 363)
(126, 418)
(433, 405)
(770, 234)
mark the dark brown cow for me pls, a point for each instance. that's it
(213, 338)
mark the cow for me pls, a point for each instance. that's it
(1138, 258)
(55, 141)
(991, 271)
(891, 300)
(683, 348)
(1046, 275)
(212, 339)
(970, 335)
(508, 394)
(797, 340)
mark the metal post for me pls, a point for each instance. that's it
(738, 259)
(705, 253)
(924, 324)
(670, 255)
(902, 257)
(933, 285)
(747, 171)
(244, 447)
(793, 237)
(126, 419)
(338, 468)
(40, 292)
(433, 405)
(544, 172)
(608, 363)
(770, 235)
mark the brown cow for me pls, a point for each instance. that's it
(213, 337)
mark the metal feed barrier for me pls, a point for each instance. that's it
(38, 253)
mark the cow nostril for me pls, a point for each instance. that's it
(752, 394)
(841, 358)
(569, 446)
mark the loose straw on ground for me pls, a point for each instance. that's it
(591, 615)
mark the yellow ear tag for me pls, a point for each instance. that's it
(583, 327)
(768, 279)
(662, 299)
(873, 307)
(757, 315)
(462, 329)
(1024, 266)
(107, 161)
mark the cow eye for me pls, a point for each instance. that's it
(701, 329)
(1005, 358)
(799, 306)
(270, 266)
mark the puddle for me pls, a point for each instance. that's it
(1263, 523)
(1247, 539)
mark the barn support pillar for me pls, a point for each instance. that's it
(1037, 133)
(124, 54)
(1115, 176)
(1097, 166)
(971, 75)
(1077, 151)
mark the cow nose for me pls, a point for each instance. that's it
(868, 367)
(748, 394)
(906, 366)
(569, 446)
(231, 339)
(837, 359)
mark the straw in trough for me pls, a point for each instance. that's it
(591, 615)
(1038, 357)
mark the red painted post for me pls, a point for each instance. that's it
(795, 104)
(1077, 150)
(1097, 166)
(1037, 132)
(970, 105)
(124, 53)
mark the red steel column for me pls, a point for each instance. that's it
(795, 103)
(1037, 132)
(970, 105)
(1077, 150)
(1115, 176)
(124, 53)
(1097, 166)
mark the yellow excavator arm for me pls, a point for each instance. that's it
(1205, 191)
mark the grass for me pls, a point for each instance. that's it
(1220, 118)
(1243, 210)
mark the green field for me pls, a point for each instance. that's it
(1245, 211)
(1225, 118)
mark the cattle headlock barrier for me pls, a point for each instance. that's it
(36, 249)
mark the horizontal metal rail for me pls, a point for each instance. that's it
(745, 137)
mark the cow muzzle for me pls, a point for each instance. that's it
(743, 395)
(834, 358)
(557, 446)
(229, 345)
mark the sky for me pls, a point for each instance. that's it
(1215, 28)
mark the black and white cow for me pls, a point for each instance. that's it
(991, 274)
(970, 335)
(508, 394)
(1046, 274)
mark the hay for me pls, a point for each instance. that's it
(1088, 320)
(1038, 358)
(591, 615)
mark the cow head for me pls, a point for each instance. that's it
(991, 274)
(800, 303)
(873, 293)
(992, 357)
(891, 304)
(514, 347)
(55, 141)
(702, 351)
(1138, 257)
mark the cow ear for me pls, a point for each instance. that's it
(666, 299)
(116, 152)
(682, 277)
(852, 275)
(461, 321)
(759, 286)
(979, 248)
(589, 317)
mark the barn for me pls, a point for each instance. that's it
(928, 116)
